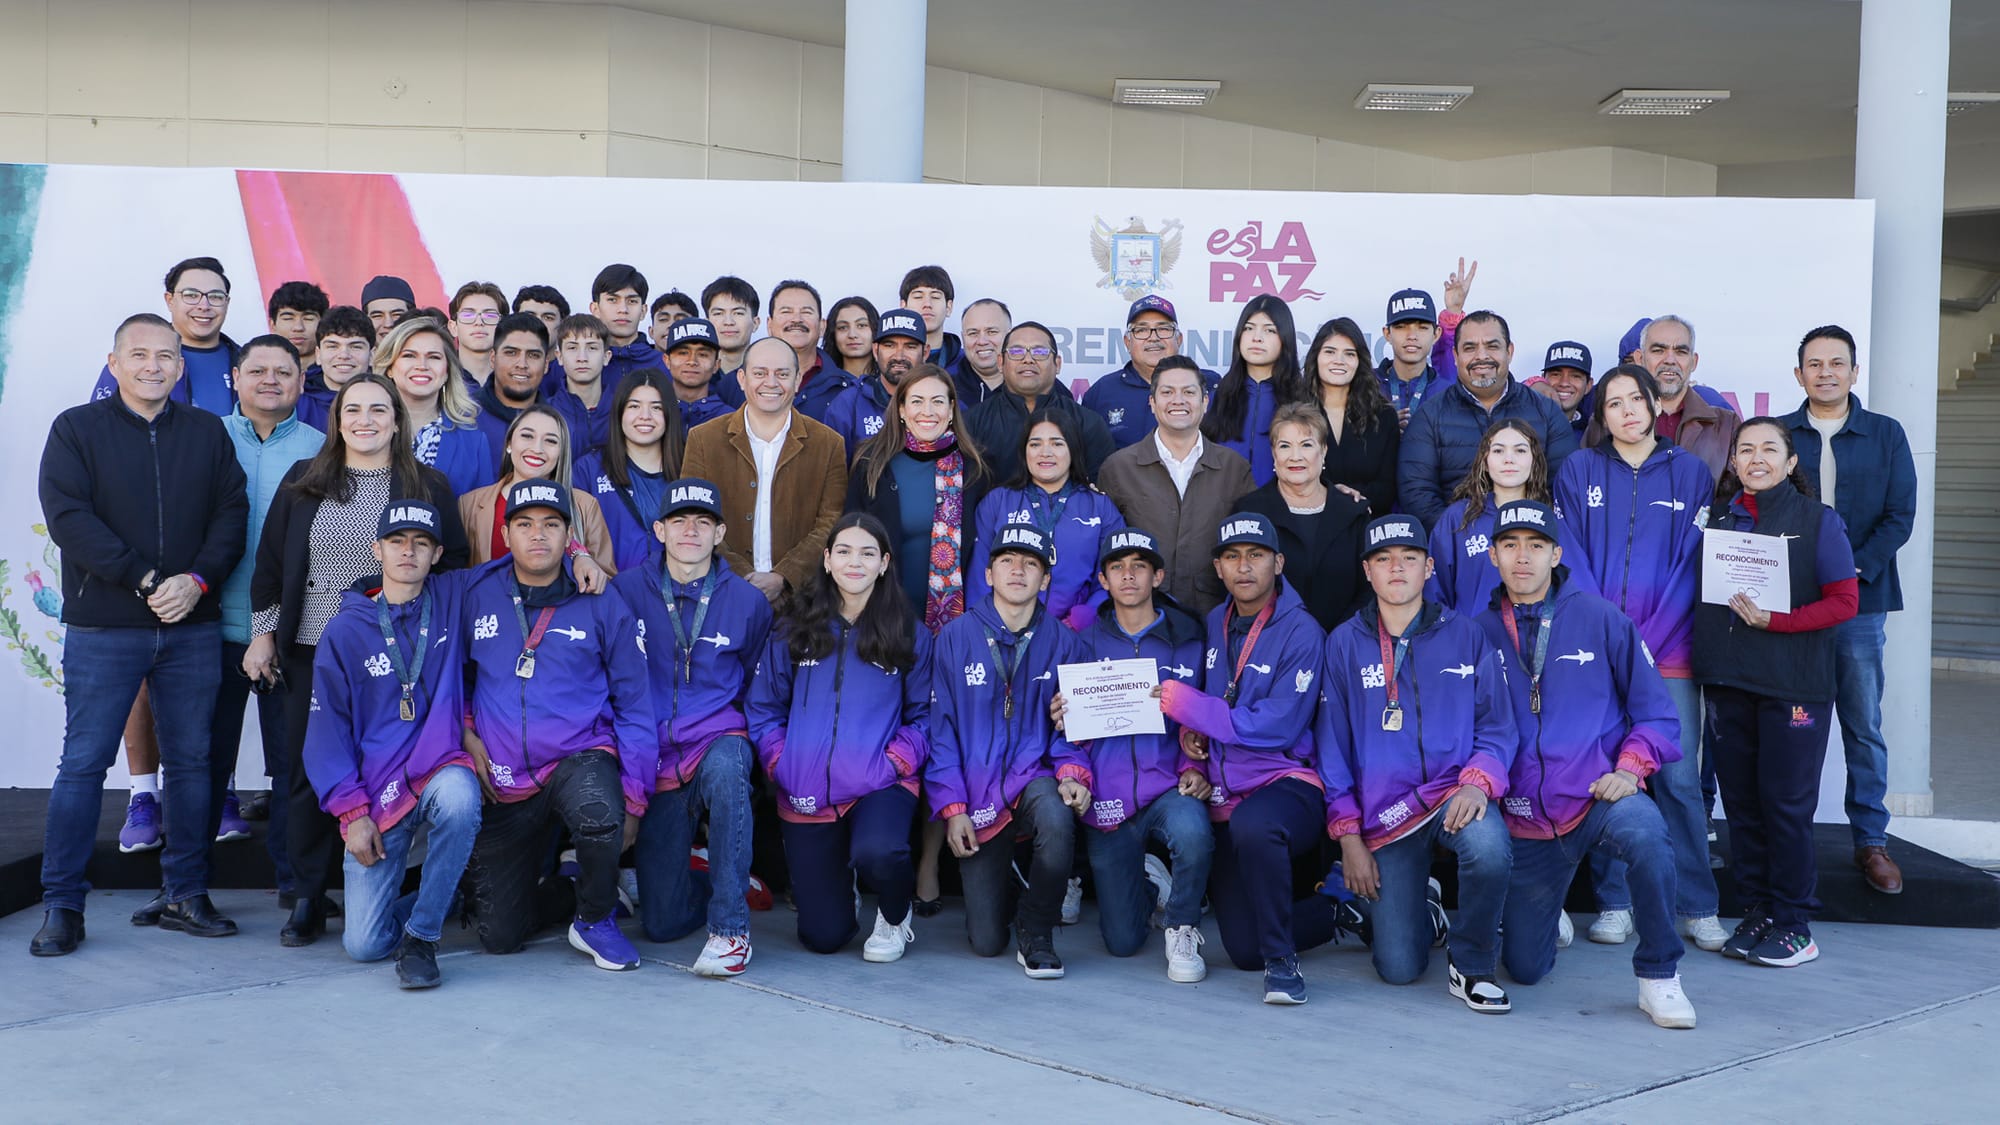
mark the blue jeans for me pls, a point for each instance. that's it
(378, 913)
(1857, 681)
(1632, 832)
(1118, 866)
(1402, 940)
(1676, 789)
(102, 671)
(674, 901)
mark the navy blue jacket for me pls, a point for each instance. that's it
(1875, 488)
(857, 413)
(820, 386)
(1443, 439)
(996, 426)
(205, 378)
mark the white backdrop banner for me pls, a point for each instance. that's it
(83, 247)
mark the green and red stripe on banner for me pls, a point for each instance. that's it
(336, 230)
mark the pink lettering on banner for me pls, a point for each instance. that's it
(1251, 266)
(1763, 400)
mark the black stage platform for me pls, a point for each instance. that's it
(1938, 891)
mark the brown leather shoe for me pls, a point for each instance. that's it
(1881, 872)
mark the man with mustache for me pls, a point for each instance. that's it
(1442, 440)
(795, 319)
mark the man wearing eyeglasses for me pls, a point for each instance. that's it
(197, 299)
(475, 310)
(1124, 397)
(1029, 364)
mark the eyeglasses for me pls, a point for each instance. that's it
(474, 316)
(1018, 352)
(1153, 331)
(216, 297)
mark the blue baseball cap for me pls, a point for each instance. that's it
(692, 494)
(1025, 540)
(1395, 531)
(905, 323)
(1526, 515)
(1567, 353)
(539, 493)
(691, 330)
(1411, 304)
(388, 287)
(1633, 337)
(1152, 303)
(410, 515)
(1245, 528)
(1130, 541)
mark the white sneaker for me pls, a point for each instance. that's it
(1565, 930)
(1665, 1002)
(888, 941)
(1612, 927)
(723, 957)
(1072, 903)
(1184, 963)
(1706, 933)
(1163, 887)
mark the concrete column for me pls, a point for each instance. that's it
(882, 112)
(1899, 142)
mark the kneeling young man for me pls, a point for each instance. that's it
(1145, 791)
(1249, 728)
(1416, 734)
(383, 746)
(563, 727)
(998, 767)
(704, 628)
(1595, 721)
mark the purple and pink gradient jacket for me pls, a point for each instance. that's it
(692, 711)
(588, 692)
(1133, 771)
(1458, 723)
(833, 730)
(1266, 734)
(361, 757)
(1604, 708)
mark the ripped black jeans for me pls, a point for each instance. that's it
(509, 898)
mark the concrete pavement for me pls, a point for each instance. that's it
(155, 1024)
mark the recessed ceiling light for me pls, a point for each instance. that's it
(1181, 92)
(1955, 104)
(1423, 99)
(1660, 103)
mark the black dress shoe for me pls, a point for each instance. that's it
(417, 964)
(61, 933)
(257, 806)
(197, 916)
(149, 914)
(307, 923)
(327, 906)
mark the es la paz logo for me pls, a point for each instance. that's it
(1249, 264)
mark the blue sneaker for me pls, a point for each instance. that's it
(605, 942)
(1784, 949)
(141, 830)
(1282, 982)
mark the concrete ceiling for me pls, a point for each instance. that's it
(1540, 66)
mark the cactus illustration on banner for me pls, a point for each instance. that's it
(46, 598)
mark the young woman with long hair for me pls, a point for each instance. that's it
(839, 713)
(1054, 494)
(851, 325)
(1511, 465)
(1362, 434)
(1263, 372)
(538, 449)
(420, 359)
(641, 453)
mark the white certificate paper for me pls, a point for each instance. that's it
(1746, 562)
(1110, 698)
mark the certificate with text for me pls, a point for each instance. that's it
(1745, 562)
(1110, 698)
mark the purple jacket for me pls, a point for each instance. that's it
(833, 730)
(1604, 707)
(1076, 521)
(1457, 728)
(1266, 735)
(981, 759)
(588, 691)
(360, 756)
(1639, 530)
(632, 538)
(1133, 771)
(693, 711)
